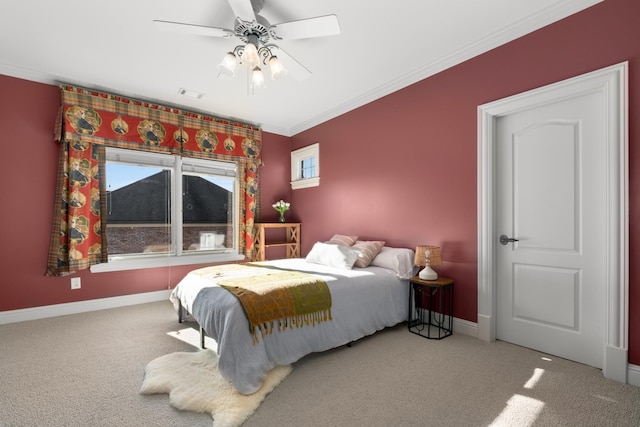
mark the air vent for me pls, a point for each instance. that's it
(190, 93)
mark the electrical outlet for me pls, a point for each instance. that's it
(75, 283)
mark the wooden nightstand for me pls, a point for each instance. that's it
(431, 307)
(291, 242)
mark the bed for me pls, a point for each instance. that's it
(363, 300)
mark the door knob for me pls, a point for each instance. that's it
(504, 239)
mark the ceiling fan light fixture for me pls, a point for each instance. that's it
(256, 35)
(228, 65)
(277, 69)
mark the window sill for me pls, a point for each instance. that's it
(304, 183)
(164, 261)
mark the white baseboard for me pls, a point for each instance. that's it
(465, 327)
(633, 375)
(21, 315)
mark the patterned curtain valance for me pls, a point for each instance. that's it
(112, 120)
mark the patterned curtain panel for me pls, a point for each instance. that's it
(89, 120)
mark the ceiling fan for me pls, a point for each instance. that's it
(258, 35)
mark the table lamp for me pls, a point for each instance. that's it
(427, 257)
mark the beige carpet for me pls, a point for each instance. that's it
(85, 370)
(194, 384)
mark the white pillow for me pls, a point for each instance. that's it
(399, 260)
(332, 255)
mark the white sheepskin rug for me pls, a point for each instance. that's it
(194, 384)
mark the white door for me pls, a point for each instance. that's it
(552, 173)
(552, 197)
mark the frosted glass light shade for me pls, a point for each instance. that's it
(257, 78)
(250, 56)
(277, 69)
(228, 65)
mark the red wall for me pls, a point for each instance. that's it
(404, 168)
(275, 175)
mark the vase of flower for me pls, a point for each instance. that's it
(281, 206)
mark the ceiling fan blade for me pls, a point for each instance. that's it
(294, 68)
(305, 28)
(243, 9)
(193, 29)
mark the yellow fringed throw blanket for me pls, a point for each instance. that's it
(279, 298)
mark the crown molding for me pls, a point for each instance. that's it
(493, 40)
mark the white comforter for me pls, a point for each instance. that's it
(364, 300)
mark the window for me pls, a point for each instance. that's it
(308, 168)
(143, 227)
(305, 167)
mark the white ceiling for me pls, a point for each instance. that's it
(383, 46)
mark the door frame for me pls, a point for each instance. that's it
(612, 82)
